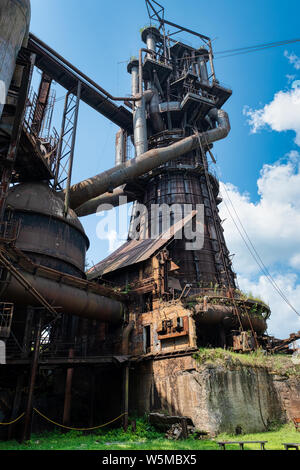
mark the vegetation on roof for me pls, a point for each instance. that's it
(280, 364)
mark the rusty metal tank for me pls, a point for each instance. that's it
(14, 27)
(182, 182)
(46, 236)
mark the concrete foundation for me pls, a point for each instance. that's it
(235, 399)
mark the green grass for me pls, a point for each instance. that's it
(280, 364)
(146, 438)
(275, 438)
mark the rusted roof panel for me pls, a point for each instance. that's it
(136, 251)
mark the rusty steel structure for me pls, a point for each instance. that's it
(152, 297)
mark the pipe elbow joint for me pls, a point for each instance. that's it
(222, 119)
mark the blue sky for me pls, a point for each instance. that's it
(259, 161)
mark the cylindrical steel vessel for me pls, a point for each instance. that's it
(46, 236)
(14, 27)
(70, 299)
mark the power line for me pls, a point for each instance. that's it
(248, 49)
(255, 48)
(255, 254)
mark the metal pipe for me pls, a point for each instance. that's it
(139, 114)
(71, 299)
(115, 199)
(121, 138)
(125, 338)
(202, 65)
(135, 80)
(78, 72)
(155, 116)
(151, 44)
(140, 128)
(121, 174)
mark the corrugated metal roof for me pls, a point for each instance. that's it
(135, 251)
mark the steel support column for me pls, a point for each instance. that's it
(34, 369)
(68, 392)
(126, 397)
(67, 194)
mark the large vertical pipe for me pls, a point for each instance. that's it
(150, 36)
(121, 141)
(133, 69)
(140, 129)
(157, 122)
(202, 58)
(151, 44)
(139, 114)
(14, 28)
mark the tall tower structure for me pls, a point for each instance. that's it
(179, 295)
(181, 98)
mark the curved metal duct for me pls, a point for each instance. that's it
(71, 299)
(112, 199)
(156, 120)
(220, 314)
(110, 179)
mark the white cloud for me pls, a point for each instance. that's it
(283, 319)
(272, 223)
(290, 78)
(273, 226)
(281, 114)
(293, 59)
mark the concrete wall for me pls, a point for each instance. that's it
(288, 390)
(217, 398)
(163, 311)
